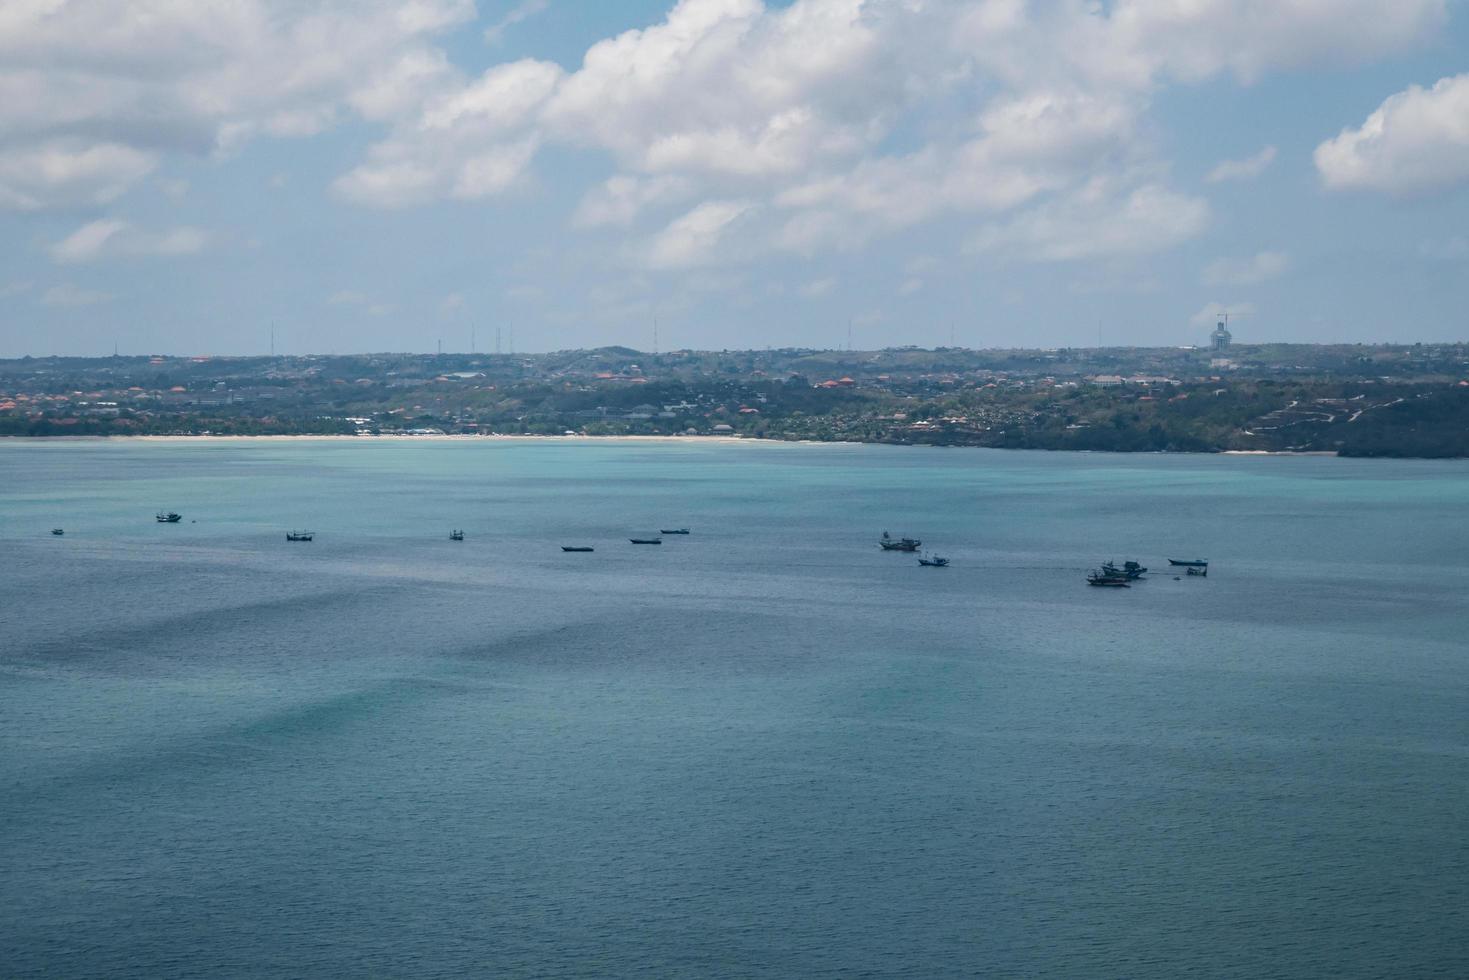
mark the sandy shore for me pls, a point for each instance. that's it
(500, 437)
(1283, 452)
(407, 438)
(448, 438)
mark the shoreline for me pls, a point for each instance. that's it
(699, 439)
(443, 437)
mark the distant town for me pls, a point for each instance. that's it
(1354, 400)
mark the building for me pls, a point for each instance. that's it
(1221, 337)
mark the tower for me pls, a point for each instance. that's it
(1221, 336)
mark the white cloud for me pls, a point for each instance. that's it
(68, 294)
(110, 238)
(1198, 39)
(910, 286)
(1098, 221)
(94, 94)
(14, 289)
(471, 143)
(729, 88)
(1246, 169)
(692, 239)
(818, 287)
(1417, 141)
(518, 14)
(86, 242)
(829, 122)
(621, 199)
(1257, 268)
(68, 173)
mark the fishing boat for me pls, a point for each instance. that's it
(456, 535)
(168, 517)
(1191, 563)
(300, 535)
(1200, 572)
(57, 531)
(567, 547)
(646, 540)
(934, 561)
(681, 530)
(1102, 579)
(1130, 570)
(889, 543)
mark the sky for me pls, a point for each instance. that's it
(191, 176)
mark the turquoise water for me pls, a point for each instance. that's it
(764, 750)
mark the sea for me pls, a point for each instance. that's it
(764, 749)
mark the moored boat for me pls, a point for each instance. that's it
(568, 547)
(1189, 563)
(58, 531)
(300, 535)
(889, 543)
(646, 540)
(168, 517)
(1102, 579)
(681, 530)
(456, 535)
(934, 561)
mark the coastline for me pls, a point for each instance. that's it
(444, 437)
(1279, 452)
(507, 437)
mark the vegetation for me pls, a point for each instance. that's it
(1359, 401)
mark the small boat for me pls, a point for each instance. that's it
(646, 540)
(300, 535)
(57, 531)
(567, 547)
(168, 518)
(889, 543)
(1102, 579)
(681, 530)
(934, 561)
(456, 535)
(1200, 572)
(1192, 563)
(1130, 570)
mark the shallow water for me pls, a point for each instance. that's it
(767, 749)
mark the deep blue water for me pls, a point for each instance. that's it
(764, 750)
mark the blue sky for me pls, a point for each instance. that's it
(377, 175)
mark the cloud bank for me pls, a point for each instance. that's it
(728, 130)
(1416, 142)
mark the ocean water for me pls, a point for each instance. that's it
(764, 750)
